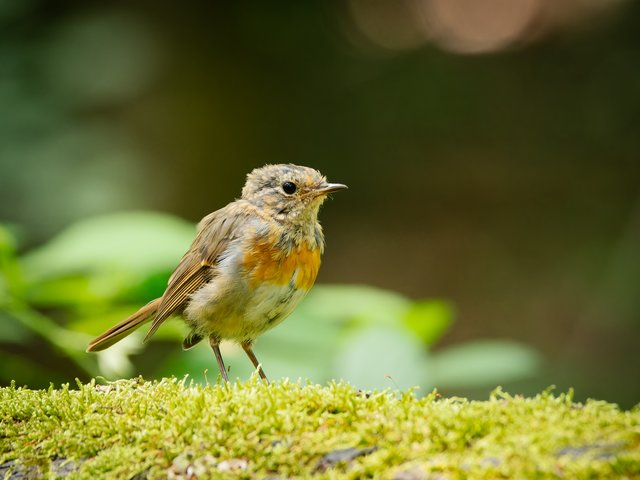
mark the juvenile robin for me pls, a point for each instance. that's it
(249, 266)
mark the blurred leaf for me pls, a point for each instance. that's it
(94, 321)
(304, 331)
(13, 331)
(355, 303)
(377, 357)
(10, 273)
(152, 286)
(121, 248)
(296, 349)
(63, 291)
(7, 241)
(429, 319)
(483, 363)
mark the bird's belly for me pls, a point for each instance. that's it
(269, 305)
(241, 313)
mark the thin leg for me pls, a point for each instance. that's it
(247, 348)
(215, 345)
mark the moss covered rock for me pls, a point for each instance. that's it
(138, 429)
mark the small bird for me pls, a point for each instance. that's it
(249, 266)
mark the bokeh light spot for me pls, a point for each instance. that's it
(469, 26)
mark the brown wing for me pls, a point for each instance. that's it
(198, 265)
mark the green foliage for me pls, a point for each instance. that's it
(429, 320)
(482, 363)
(103, 258)
(101, 269)
(175, 429)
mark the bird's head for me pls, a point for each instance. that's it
(288, 192)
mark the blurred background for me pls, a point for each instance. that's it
(490, 234)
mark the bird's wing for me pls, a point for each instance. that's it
(198, 265)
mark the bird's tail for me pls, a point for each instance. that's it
(124, 328)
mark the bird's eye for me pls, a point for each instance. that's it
(289, 187)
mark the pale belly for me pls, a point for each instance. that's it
(236, 312)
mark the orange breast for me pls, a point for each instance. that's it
(265, 262)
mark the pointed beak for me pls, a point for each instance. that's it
(326, 188)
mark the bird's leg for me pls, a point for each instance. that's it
(247, 348)
(215, 346)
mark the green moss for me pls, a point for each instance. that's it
(249, 430)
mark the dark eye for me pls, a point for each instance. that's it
(289, 187)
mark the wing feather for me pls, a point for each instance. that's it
(198, 265)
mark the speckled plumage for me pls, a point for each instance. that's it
(249, 266)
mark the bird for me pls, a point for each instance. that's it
(249, 266)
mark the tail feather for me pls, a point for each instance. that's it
(124, 328)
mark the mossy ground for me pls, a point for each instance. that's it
(138, 429)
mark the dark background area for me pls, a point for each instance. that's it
(491, 150)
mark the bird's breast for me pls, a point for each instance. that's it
(266, 261)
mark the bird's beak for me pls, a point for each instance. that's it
(330, 188)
